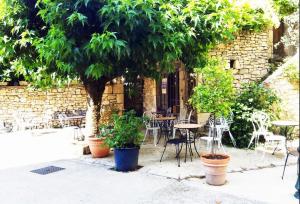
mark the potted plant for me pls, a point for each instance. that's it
(214, 94)
(98, 147)
(125, 136)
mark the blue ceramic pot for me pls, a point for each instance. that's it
(126, 159)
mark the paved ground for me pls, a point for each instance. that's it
(87, 180)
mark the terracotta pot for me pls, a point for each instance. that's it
(98, 147)
(215, 169)
(203, 117)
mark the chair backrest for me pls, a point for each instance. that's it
(190, 116)
(260, 121)
(149, 119)
(169, 112)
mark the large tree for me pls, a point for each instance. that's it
(51, 41)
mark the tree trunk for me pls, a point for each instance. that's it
(95, 90)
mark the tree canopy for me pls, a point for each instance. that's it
(53, 41)
(50, 41)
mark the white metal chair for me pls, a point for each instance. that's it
(224, 125)
(209, 139)
(151, 125)
(260, 122)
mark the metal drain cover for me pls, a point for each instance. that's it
(47, 170)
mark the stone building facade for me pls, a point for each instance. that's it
(248, 56)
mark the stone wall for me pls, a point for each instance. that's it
(37, 102)
(149, 95)
(247, 55)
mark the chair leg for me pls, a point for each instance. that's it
(185, 151)
(232, 138)
(155, 132)
(287, 156)
(251, 140)
(177, 154)
(196, 148)
(163, 152)
(145, 136)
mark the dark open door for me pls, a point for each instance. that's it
(167, 93)
(133, 100)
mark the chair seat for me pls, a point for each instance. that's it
(153, 128)
(176, 141)
(209, 138)
(275, 138)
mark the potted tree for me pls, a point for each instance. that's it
(214, 94)
(125, 136)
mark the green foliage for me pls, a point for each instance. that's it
(252, 97)
(286, 7)
(291, 71)
(215, 92)
(125, 131)
(53, 41)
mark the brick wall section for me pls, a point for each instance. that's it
(249, 53)
(74, 97)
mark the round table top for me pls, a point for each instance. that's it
(165, 118)
(285, 123)
(187, 126)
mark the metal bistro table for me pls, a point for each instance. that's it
(189, 140)
(289, 126)
(77, 128)
(165, 124)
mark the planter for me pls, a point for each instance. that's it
(215, 169)
(126, 159)
(97, 147)
(3, 83)
(203, 117)
(23, 83)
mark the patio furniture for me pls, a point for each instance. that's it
(288, 126)
(176, 142)
(166, 126)
(218, 138)
(188, 138)
(291, 151)
(224, 125)
(260, 122)
(187, 119)
(65, 122)
(151, 125)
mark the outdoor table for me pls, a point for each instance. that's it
(288, 124)
(188, 141)
(75, 117)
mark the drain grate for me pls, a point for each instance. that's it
(47, 170)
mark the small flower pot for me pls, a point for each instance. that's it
(203, 117)
(215, 168)
(98, 147)
(3, 83)
(126, 159)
